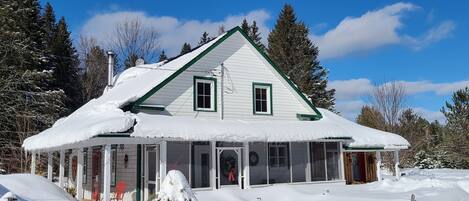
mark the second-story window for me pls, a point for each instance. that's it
(204, 94)
(262, 95)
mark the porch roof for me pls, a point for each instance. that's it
(331, 126)
(162, 127)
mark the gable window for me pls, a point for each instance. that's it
(262, 98)
(205, 94)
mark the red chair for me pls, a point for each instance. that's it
(120, 190)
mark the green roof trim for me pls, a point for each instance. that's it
(363, 148)
(307, 117)
(209, 49)
(148, 107)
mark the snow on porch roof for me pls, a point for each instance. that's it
(330, 126)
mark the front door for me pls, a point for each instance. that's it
(152, 158)
(229, 166)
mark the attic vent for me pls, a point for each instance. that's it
(139, 62)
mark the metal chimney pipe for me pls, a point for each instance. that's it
(110, 68)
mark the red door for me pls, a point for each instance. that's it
(95, 174)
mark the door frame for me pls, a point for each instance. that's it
(146, 180)
(238, 151)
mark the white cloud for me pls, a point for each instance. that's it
(351, 94)
(173, 31)
(375, 29)
(430, 115)
(433, 35)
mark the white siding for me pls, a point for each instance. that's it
(244, 65)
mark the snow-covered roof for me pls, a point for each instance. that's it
(330, 126)
(104, 115)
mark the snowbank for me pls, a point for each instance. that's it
(425, 185)
(27, 187)
(175, 188)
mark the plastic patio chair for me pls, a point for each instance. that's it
(120, 190)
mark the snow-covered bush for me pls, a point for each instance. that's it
(175, 188)
(425, 159)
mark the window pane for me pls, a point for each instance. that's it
(200, 88)
(200, 167)
(318, 169)
(279, 171)
(299, 161)
(258, 106)
(207, 90)
(264, 94)
(332, 154)
(178, 157)
(258, 93)
(257, 163)
(200, 101)
(264, 106)
(207, 102)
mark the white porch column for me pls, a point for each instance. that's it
(341, 162)
(49, 166)
(33, 163)
(107, 173)
(163, 156)
(396, 164)
(62, 168)
(213, 162)
(246, 165)
(378, 165)
(79, 178)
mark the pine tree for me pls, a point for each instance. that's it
(291, 49)
(29, 103)
(163, 56)
(245, 26)
(456, 140)
(204, 39)
(221, 30)
(186, 47)
(255, 35)
(65, 65)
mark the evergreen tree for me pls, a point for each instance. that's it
(255, 35)
(245, 26)
(186, 47)
(456, 140)
(204, 39)
(29, 103)
(65, 65)
(293, 52)
(163, 56)
(221, 30)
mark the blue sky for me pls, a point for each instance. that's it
(421, 44)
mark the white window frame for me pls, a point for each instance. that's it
(268, 88)
(213, 93)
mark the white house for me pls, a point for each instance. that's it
(223, 114)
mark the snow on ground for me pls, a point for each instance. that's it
(27, 187)
(175, 188)
(426, 185)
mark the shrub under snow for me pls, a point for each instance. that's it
(175, 188)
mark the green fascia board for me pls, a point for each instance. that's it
(254, 84)
(194, 93)
(139, 107)
(213, 46)
(308, 117)
(139, 173)
(364, 148)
